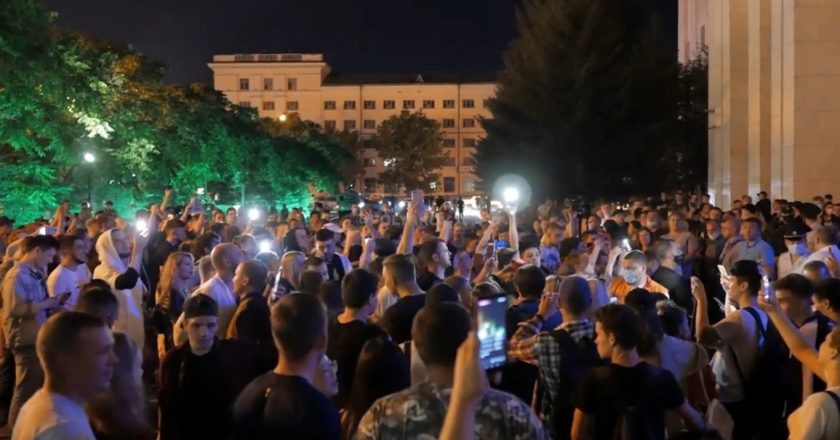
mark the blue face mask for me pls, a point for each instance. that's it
(798, 249)
(631, 276)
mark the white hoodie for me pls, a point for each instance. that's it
(130, 311)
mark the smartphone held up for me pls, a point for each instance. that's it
(492, 332)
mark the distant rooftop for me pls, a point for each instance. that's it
(270, 58)
(338, 79)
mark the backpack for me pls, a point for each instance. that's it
(577, 358)
(765, 391)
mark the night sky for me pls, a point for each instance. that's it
(356, 36)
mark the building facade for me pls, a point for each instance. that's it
(282, 84)
(774, 94)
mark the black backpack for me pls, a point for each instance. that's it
(765, 389)
(577, 358)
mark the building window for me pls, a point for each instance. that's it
(349, 105)
(329, 125)
(244, 84)
(448, 123)
(268, 105)
(370, 185)
(486, 103)
(389, 162)
(329, 105)
(367, 143)
(389, 104)
(449, 161)
(448, 103)
(291, 105)
(469, 143)
(428, 103)
(349, 125)
(468, 103)
(268, 83)
(408, 104)
(468, 161)
(448, 143)
(370, 105)
(469, 123)
(449, 184)
(369, 124)
(469, 184)
(291, 84)
(370, 162)
(245, 103)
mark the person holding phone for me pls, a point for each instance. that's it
(72, 273)
(438, 331)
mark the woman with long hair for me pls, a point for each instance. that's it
(291, 267)
(121, 412)
(382, 369)
(172, 291)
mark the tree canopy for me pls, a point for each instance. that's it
(63, 94)
(587, 100)
(411, 148)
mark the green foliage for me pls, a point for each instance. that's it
(586, 102)
(412, 145)
(63, 94)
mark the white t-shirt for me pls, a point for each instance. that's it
(63, 279)
(817, 419)
(50, 416)
(226, 301)
(739, 334)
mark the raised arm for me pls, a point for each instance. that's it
(793, 338)
(406, 246)
(704, 333)
(513, 232)
(167, 196)
(374, 232)
(469, 385)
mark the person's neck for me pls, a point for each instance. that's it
(201, 351)
(800, 316)
(670, 264)
(350, 315)
(642, 281)
(748, 300)
(225, 276)
(625, 358)
(440, 375)
(70, 264)
(409, 290)
(438, 270)
(55, 387)
(304, 368)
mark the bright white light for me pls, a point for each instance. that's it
(510, 195)
(253, 214)
(401, 204)
(283, 117)
(90, 158)
(265, 246)
(200, 191)
(361, 205)
(141, 225)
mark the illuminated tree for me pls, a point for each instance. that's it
(410, 145)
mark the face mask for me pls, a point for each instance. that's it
(631, 276)
(798, 249)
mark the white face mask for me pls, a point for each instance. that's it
(797, 249)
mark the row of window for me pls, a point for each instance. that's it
(448, 186)
(449, 162)
(268, 84)
(370, 124)
(407, 104)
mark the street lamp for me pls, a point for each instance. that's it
(282, 117)
(510, 195)
(90, 159)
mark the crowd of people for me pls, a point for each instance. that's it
(660, 318)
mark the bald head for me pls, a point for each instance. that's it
(225, 257)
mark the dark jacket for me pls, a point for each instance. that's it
(251, 321)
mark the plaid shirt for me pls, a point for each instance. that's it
(538, 348)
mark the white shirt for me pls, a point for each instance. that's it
(787, 266)
(63, 280)
(823, 253)
(51, 416)
(817, 419)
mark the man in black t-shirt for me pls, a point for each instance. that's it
(283, 403)
(160, 246)
(349, 331)
(400, 278)
(435, 258)
(628, 398)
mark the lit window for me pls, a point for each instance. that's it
(370, 162)
(388, 162)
